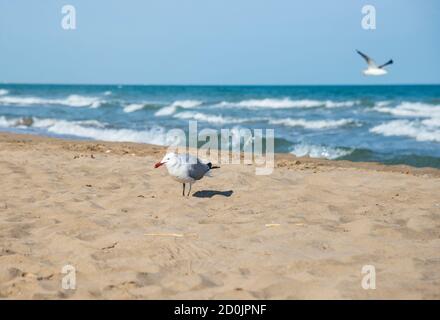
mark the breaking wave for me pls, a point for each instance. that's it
(73, 100)
(425, 130)
(133, 107)
(184, 104)
(219, 119)
(287, 103)
(91, 129)
(317, 124)
(215, 119)
(409, 109)
(319, 151)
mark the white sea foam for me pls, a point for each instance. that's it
(71, 101)
(215, 119)
(410, 109)
(81, 101)
(318, 151)
(432, 122)
(166, 111)
(317, 124)
(133, 107)
(94, 123)
(286, 103)
(154, 136)
(7, 123)
(3, 92)
(218, 119)
(46, 123)
(107, 93)
(338, 104)
(427, 130)
(11, 100)
(171, 109)
(382, 104)
(91, 129)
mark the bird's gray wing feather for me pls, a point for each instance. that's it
(369, 61)
(197, 170)
(386, 64)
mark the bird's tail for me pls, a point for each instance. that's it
(211, 166)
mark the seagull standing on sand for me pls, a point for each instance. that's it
(185, 168)
(373, 69)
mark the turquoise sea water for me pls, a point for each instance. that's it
(388, 124)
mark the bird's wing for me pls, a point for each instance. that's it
(369, 61)
(386, 64)
(197, 170)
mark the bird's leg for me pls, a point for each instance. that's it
(183, 192)
(190, 185)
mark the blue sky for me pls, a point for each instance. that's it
(217, 42)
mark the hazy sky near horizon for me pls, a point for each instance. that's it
(217, 42)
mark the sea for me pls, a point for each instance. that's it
(388, 124)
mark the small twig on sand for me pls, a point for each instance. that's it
(269, 225)
(110, 247)
(176, 235)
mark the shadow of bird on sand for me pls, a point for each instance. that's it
(212, 193)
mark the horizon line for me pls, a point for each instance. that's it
(216, 85)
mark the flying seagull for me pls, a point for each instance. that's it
(373, 69)
(185, 168)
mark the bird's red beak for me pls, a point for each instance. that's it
(157, 165)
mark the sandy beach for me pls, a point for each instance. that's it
(303, 232)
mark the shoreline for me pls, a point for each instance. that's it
(304, 232)
(284, 160)
(360, 84)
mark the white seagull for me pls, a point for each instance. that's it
(185, 168)
(373, 69)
